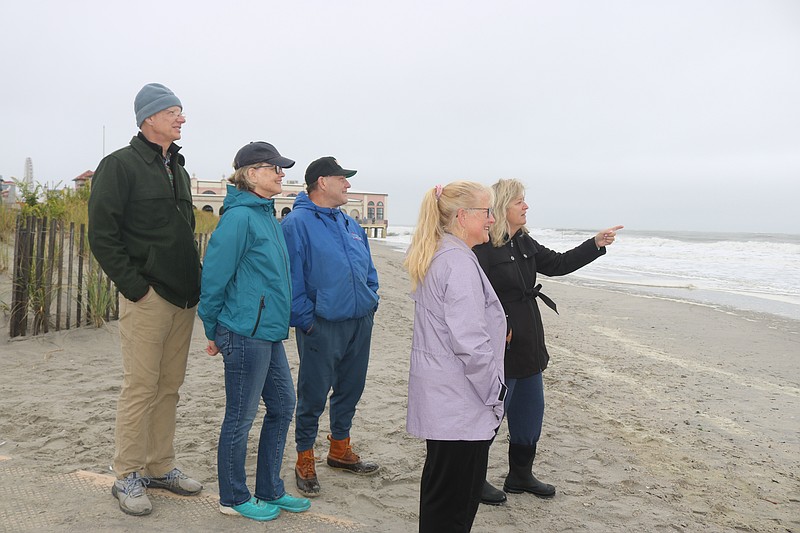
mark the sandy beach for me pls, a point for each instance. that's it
(661, 416)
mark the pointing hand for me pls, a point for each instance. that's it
(606, 237)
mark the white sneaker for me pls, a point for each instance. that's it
(130, 491)
(177, 482)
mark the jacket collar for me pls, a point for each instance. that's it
(150, 150)
(524, 243)
(302, 201)
(236, 198)
(451, 242)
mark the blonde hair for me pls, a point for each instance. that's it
(505, 192)
(241, 179)
(437, 216)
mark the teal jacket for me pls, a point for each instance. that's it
(246, 276)
(141, 228)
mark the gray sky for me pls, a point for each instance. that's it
(670, 115)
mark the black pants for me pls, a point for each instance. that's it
(450, 490)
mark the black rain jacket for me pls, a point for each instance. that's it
(512, 270)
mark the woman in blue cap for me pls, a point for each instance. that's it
(244, 304)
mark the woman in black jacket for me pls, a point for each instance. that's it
(511, 260)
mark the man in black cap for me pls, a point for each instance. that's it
(141, 230)
(334, 298)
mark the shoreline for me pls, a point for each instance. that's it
(723, 300)
(660, 416)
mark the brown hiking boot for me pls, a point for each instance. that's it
(305, 473)
(341, 456)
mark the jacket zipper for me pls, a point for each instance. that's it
(344, 243)
(287, 269)
(343, 240)
(173, 185)
(258, 317)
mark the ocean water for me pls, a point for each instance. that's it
(738, 271)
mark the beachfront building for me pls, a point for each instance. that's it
(208, 195)
(368, 208)
(82, 180)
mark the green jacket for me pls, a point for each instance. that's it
(141, 230)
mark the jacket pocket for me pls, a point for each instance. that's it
(510, 328)
(150, 213)
(151, 259)
(332, 305)
(258, 315)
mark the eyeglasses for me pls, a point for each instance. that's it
(487, 210)
(278, 169)
(171, 113)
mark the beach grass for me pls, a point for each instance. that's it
(8, 217)
(205, 222)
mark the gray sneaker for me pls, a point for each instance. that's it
(131, 494)
(177, 482)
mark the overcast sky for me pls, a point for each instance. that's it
(669, 115)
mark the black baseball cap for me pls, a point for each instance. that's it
(260, 152)
(326, 166)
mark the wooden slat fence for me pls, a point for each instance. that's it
(57, 283)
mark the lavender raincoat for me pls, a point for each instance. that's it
(456, 375)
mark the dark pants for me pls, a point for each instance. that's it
(334, 356)
(450, 490)
(525, 409)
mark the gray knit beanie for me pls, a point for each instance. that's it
(153, 98)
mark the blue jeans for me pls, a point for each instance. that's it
(253, 368)
(524, 406)
(334, 356)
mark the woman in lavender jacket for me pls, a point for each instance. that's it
(456, 385)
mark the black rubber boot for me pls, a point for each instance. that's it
(520, 476)
(491, 495)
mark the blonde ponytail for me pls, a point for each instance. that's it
(437, 216)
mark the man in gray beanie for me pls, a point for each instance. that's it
(141, 231)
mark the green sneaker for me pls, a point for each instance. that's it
(177, 482)
(254, 509)
(290, 503)
(132, 497)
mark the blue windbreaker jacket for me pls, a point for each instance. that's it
(332, 271)
(246, 284)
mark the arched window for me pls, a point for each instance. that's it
(371, 209)
(285, 211)
(208, 209)
(380, 210)
(209, 192)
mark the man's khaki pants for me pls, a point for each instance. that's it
(155, 337)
